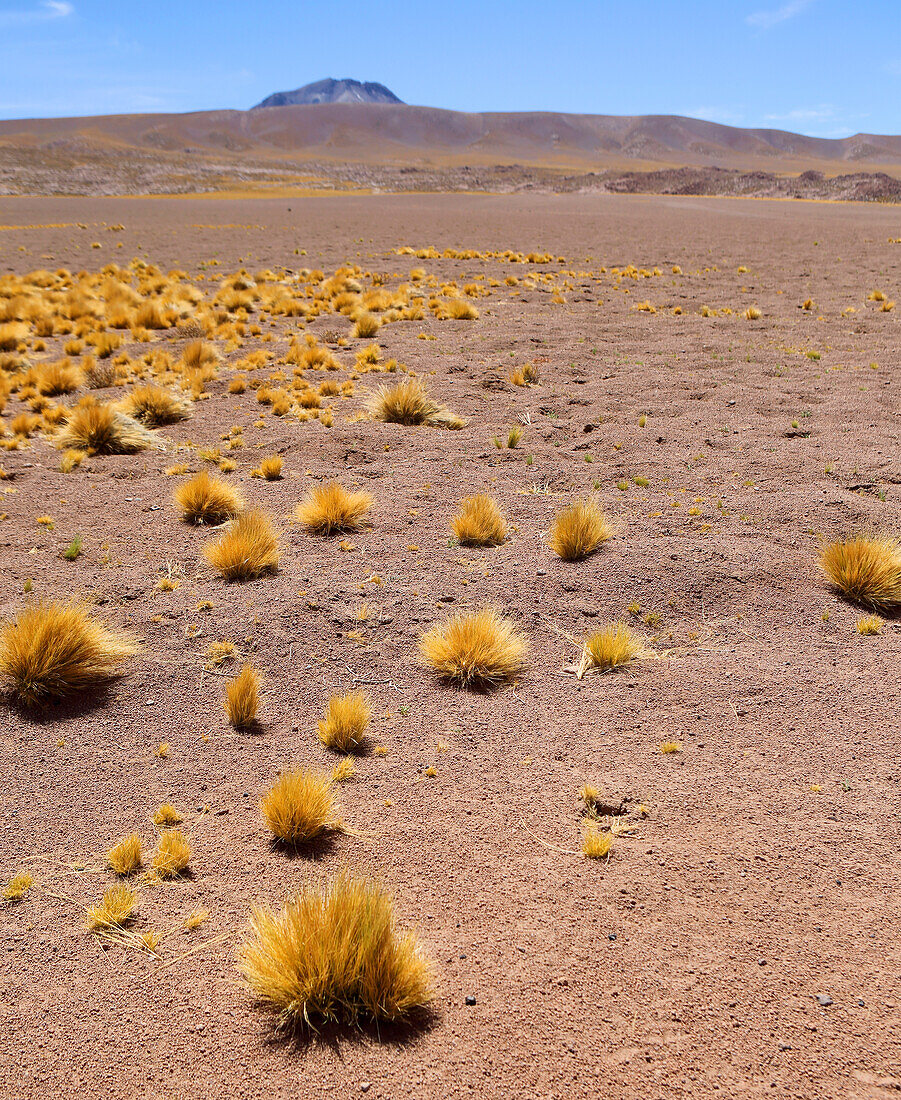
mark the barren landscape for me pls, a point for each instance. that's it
(672, 878)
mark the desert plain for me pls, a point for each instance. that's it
(741, 936)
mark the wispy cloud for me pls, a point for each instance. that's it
(46, 12)
(764, 20)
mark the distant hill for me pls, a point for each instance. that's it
(332, 91)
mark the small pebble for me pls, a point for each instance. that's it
(470, 1000)
(823, 999)
(611, 936)
(761, 962)
(365, 1087)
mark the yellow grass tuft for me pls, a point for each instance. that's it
(478, 650)
(367, 325)
(246, 550)
(271, 468)
(752, 313)
(611, 647)
(457, 309)
(242, 697)
(207, 499)
(18, 886)
(53, 650)
(668, 747)
(479, 522)
(866, 571)
(99, 429)
(408, 402)
(125, 855)
(155, 406)
(166, 814)
(195, 919)
(579, 530)
(346, 720)
(173, 853)
(118, 905)
(329, 509)
(596, 844)
(299, 806)
(53, 379)
(343, 770)
(198, 354)
(333, 953)
(869, 624)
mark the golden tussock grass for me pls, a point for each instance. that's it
(669, 747)
(333, 953)
(155, 406)
(478, 650)
(271, 468)
(595, 843)
(752, 313)
(366, 326)
(864, 570)
(246, 550)
(457, 309)
(207, 499)
(18, 886)
(173, 853)
(610, 647)
(195, 919)
(479, 522)
(343, 770)
(329, 508)
(299, 806)
(100, 429)
(125, 855)
(53, 379)
(409, 403)
(525, 376)
(242, 697)
(346, 720)
(579, 530)
(52, 650)
(166, 814)
(198, 354)
(118, 906)
(869, 624)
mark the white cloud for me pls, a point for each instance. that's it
(764, 20)
(45, 12)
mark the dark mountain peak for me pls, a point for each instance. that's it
(333, 91)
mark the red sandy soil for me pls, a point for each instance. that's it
(765, 874)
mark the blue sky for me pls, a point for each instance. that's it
(824, 67)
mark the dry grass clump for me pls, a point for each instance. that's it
(479, 522)
(53, 379)
(271, 468)
(18, 886)
(173, 853)
(246, 550)
(166, 814)
(53, 650)
(125, 855)
(299, 806)
(343, 770)
(457, 309)
(346, 720)
(155, 406)
(869, 624)
(610, 647)
(198, 354)
(367, 325)
(333, 953)
(409, 403)
(864, 570)
(99, 429)
(478, 650)
(579, 530)
(329, 508)
(595, 843)
(118, 905)
(752, 313)
(242, 697)
(207, 499)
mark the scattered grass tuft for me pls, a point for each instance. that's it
(479, 522)
(869, 624)
(246, 550)
(53, 650)
(332, 953)
(329, 509)
(242, 697)
(479, 650)
(18, 886)
(125, 855)
(346, 720)
(100, 429)
(118, 906)
(595, 843)
(408, 402)
(610, 647)
(154, 406)
(173, 853)
(299, 806)
(271, 468)
(579, 530)
(207, 499)
(866, 571)
(166, 814)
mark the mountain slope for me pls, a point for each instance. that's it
(331, 91)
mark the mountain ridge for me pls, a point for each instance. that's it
(329, 90)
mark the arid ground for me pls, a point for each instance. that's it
(742, 937)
